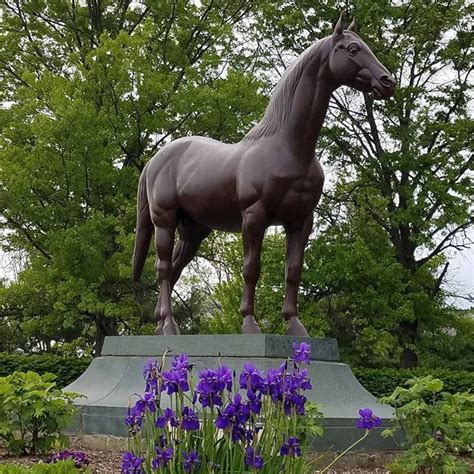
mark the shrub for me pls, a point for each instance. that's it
(63, 467)
(66, 369)
(382, 382)
(438, 427)
(33, 412)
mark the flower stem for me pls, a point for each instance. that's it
(346, 451)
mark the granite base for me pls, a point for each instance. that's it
(113, 380)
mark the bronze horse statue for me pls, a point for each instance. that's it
(271, 177)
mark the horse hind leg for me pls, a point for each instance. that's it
(191, 235)
(164, 240)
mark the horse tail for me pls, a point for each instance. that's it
(144, 229)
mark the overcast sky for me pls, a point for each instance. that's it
(460, 275)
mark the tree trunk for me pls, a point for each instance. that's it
(104, 327)
(99, 342)
(408, 336)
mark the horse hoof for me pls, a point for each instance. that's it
(170, 327)
(296, 328)
(159, 328)
(250, 326)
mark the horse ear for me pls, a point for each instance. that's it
(353, 26)
(339, 28)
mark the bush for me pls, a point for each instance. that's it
(33, 412)
(438, 427)
(63, 467)
(382, 382)
(66, 369)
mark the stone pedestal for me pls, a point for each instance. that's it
(116, 377)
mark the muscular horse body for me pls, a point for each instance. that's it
(195, 184)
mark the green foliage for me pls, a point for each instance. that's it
(34, 412)
(269, 293)
(92, 93)
(66, 369)
(438, 426)
(62, 467)
(382, 382)
(93, 89)
(452, 347)
(310, 425)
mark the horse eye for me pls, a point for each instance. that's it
(353, 49)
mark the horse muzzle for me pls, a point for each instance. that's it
(384, 87)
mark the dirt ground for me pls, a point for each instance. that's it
(105, 456)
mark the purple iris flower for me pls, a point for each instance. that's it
(210, 386)
(181, 362)
(189, 421)
(150, 372)
(131, 464)
(191, 460)
(207, 380)
(149, 368)
(163, 457)
(238, 433)
(168, 416)
(254, 401)
(301, 352)
(252, 459)
(161, 441)
(207, 399)
(241, 412)
(224, 378)
(249, 434)
(291, 447)
(236, 413)
(287, 387)
(222, 420)
(79, 458)
(134, 419)
(147, 401)
(251, 378)
(367, 419)
(175, 381)
(294, 401)
(273, 384)
(300, 380)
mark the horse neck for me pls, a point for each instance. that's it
(309, 106)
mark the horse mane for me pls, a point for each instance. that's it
(279, 107)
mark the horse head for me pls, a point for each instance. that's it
(352, 63)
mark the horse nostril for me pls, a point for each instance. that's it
(387, 81)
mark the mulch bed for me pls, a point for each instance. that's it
(108, 461)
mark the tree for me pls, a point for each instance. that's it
(402, 193)
(411, 157)
(90, 91)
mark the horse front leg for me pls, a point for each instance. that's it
(296, 239)
(253, 230)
